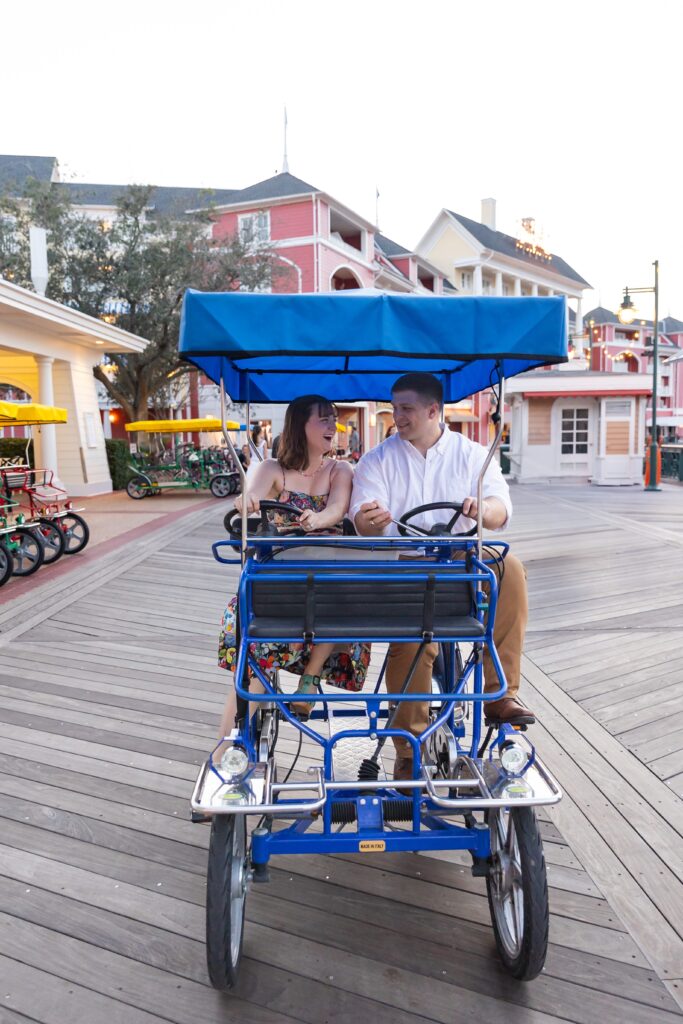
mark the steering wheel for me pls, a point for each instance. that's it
(438, 529)
(259, 525)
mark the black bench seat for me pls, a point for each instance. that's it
(361, 609)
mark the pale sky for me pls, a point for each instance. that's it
(568, 112)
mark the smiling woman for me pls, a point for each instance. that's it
(304, 478)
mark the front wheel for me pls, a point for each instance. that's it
(52, 539)
(226, 893)
(27, 551)
(518, 891)
(76, 533)
(137, 487)
(220, 486)
(6, 565)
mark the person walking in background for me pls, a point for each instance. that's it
(258, 438)
(354, 440)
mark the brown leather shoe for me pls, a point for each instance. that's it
(508, 709)
(403, 770)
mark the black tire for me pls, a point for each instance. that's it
(52, 539)
(220, 485)
(29, 555)
(518, 891)
(137, 488)
(76, 533)
(226, 886)
(6, 565)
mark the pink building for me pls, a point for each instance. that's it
(620, 348)
(323, 246)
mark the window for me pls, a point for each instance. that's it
(255, 227)
(574, 432)
(617, 408)
(465, 278)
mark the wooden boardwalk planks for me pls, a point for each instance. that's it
(108, 697)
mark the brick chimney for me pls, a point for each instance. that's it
(488, 213)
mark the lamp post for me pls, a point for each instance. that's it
(627, 314)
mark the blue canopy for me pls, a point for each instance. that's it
(352, 347)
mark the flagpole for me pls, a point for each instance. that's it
(285, 162)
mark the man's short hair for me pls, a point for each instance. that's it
(426, 385)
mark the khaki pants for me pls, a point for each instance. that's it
(508, 634)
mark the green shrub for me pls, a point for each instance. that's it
(14, 448)
(118, 457)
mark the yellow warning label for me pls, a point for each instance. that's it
(372, 846)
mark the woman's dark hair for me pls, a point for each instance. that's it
(258, 429)
(426, 385)
(292, 451)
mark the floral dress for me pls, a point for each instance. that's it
(345, 668)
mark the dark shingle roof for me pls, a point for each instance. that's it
(601, 315)
(280, 185)
(669, 325)
(447, 286)
(163, 199)
(390, 248)
(16, 170)
(506, 244)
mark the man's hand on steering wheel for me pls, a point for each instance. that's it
(493, 512)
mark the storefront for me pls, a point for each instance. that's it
(47, 352)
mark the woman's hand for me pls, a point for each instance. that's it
(310, 520)
(253, 503)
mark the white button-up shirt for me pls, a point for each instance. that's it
(397, 476)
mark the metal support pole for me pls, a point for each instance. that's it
(241, 470)
(654, 445)
(487, 461)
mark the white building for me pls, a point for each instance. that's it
(49, 350)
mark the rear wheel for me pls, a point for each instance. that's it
(52, 539)
(226, 892)
(6, 565)
(518, 891)
(137, 487)
(220, 486)
(76, 533)
(27, 551)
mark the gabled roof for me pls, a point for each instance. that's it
(163, 199)
(497, 241)
(277, 187)
(389, 247)
(16, 170)
(669, 325)
(601, 315)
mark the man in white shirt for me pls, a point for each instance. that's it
(424, 462)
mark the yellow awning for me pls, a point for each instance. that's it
(208, 424)
(28, 414)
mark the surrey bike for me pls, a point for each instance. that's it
(470, 791)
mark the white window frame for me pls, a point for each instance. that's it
(250, 231)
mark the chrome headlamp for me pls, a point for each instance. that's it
(233, 765)
(513, 758)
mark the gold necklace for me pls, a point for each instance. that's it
(316, 470)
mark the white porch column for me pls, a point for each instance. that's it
(46, 392)
(578, 327)
(518, 286)
(499, 282)
(477, 281)
(534, 289)
(551, 291)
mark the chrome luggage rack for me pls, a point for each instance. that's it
(488, 784)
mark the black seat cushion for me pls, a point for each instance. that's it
(392, 608)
